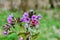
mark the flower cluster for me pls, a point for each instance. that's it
(10, 24)
(29, 18)
(33, 20)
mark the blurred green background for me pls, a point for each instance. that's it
(49, 24)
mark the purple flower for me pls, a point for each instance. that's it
(21, 38)
(27, 20)
(5, 32)
(39, 16)
(22, 19)
(25, 15)
(34, 17)
(26, 25)
(9, 19)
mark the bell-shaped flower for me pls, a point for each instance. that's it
(21, 38)
(27, 20)
(9, 19)
(34, 17)
(25, 15)
(37, 22)
(39, 16)
(5, 32)
(26, 25)
(22, 19)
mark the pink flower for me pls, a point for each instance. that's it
(37, 22)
